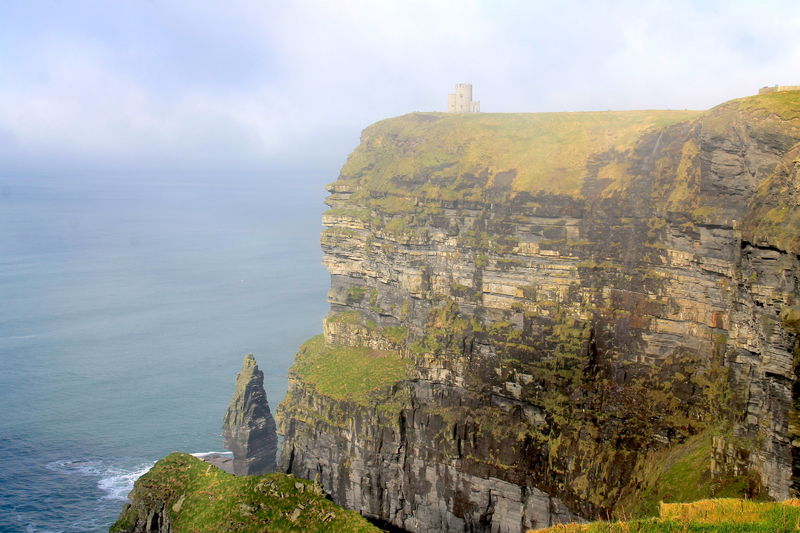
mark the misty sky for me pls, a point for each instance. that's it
(242, 84)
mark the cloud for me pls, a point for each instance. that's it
(79, 103)
(244, 83)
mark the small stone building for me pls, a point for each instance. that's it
(778, 89)
(461, 100)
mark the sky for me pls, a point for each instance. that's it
(246, 84)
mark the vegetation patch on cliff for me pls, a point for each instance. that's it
(680, 474)
(782, 106)
(773, 217)
(348, 372)
(725, 515)
(191, 495)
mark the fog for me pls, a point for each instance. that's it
(249, 86)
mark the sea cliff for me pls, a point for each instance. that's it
(538, 318)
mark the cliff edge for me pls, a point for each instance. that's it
(538, 318)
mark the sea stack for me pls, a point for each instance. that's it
(249, 429)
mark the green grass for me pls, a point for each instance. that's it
(537, 151)
(777, 111)
(352, 318)
(359, 214)
(462, 156)
(783, 105)
(347, 372)
(680, 474)
(395, 334)
(725, 515)
(202, 498)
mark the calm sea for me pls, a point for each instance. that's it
(126, 306)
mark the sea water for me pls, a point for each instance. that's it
(126, 306)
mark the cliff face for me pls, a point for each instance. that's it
(249, 429)
(576, 298)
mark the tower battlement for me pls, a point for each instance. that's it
(461, 101)
(778, 89)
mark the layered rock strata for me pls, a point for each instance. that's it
(577, 295)
(249, 428)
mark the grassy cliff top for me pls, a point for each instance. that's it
(725, 515)
(784, 105)
(347, 372)
(448, 156)
(200, 497)
(526, 151)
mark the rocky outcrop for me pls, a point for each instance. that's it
(183, 493)
(578, 294)
(249, 429)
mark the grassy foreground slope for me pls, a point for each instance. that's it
(726, 515)
(199, 497)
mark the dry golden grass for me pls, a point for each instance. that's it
(562, 528)
(713, 511)
(723, 515)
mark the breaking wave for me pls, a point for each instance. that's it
(113, 480)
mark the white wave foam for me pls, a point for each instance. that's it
(200, 455)
(115, 481)
(119, 483)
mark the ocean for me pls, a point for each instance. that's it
(128, 303)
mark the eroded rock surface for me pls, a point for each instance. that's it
(578, 293)
(249, 429)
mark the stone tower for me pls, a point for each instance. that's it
(461, 100)
(778, 89)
